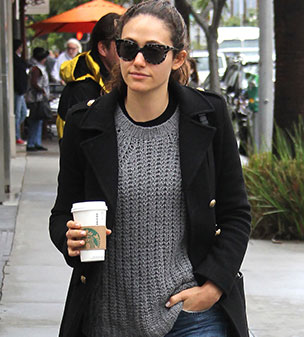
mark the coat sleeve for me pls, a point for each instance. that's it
(70, 187)
(76, 92)
(232, 210)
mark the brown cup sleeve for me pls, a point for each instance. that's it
(96, 237)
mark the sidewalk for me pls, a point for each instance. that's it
(36, 276)
(274, 285)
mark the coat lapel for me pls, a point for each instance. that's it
(100, 144)
(195, 138)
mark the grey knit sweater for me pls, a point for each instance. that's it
(146, 260)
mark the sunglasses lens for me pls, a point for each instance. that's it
(127, 50)
(154, 54)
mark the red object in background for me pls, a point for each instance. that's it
(79, 19)
(79, 35)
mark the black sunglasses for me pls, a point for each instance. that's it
(153, 53)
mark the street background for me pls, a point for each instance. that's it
(35, 276)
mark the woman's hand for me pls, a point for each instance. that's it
(76, 237)
(197, 298)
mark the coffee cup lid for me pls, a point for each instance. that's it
(89, 206)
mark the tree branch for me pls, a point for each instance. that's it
(200, 18)
(217, 13)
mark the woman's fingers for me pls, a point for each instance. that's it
(74, 247)
(179, 297)
(197, 298)
(76, 237)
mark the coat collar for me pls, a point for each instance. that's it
(195, 137)
(191, 102)
(100, 115)
(101, 146)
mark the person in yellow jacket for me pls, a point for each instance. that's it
(86, 75)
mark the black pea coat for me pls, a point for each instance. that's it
(89, 171)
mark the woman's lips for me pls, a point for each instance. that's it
(137, 75)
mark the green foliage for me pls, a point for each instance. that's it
(52, 41)
(197, 46)
(127, 2)
(233, 21)
(275, 185)
(59, 6)
(253, 17)
(201, 4)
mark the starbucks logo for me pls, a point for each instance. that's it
(92, 239)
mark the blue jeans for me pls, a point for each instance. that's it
(210, 323)
(20, 113)
(34, 132)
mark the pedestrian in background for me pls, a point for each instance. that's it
(193, 74)
(50, 62)
(73, 47)
(38, 91)
(173, 184)
(20, 87)
(87, 74)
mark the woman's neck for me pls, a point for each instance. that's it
(143, 107)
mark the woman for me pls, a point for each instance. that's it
(193, 74)
(143, 150)
(39, 90)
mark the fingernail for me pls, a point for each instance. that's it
(82, 242)
(168, 304)
(83, 232)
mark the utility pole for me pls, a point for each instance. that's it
(241, 12)
(22, 27)
(7, 92)
(244, 12)
(2, 157)
(231, 8)
(264, 118)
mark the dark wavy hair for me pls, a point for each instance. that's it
(165, 11)
(104, 31)
(194, 76)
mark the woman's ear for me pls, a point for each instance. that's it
(179, 59)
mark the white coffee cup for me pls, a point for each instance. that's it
(90, 214)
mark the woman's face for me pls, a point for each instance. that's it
(138, 74)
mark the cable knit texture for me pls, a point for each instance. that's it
(146, 260)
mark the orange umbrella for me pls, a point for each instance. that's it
(79, 19)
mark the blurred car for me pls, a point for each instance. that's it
(238, 37)
(245, 54)
(239, 85)
(202, 61)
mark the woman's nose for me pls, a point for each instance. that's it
(139, 59)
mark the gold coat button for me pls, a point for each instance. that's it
(212, 203)
(90, 102)
(218, 232)
(83, 279)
